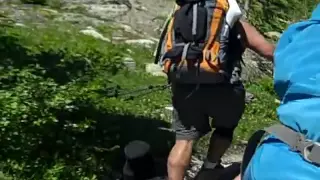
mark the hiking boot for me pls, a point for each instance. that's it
(210, 174)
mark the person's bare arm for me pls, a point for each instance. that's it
(256, 42)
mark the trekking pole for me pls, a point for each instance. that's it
(146, 91)
(117, 92)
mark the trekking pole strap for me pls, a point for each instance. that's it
(308, 149)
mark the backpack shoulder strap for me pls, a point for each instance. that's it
(217, 10)
(215, 15)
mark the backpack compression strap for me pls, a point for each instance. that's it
(308, 149)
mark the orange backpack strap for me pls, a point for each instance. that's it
(217, 20)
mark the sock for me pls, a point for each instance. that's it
(209, 165)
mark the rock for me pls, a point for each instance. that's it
(20, 24)
(233, 154)
(273, 34)
(129, 63)
(102, 9)
(129, 51)
(195, 165)
(50, 11)
(249, 97)
(155, 70)
(127, 28)
(141, 8)
(107, 11)
(255, 66)
(79, 19)
(243, 142)
(118, 38)
(168, 113)
(144, 42)
(92, 32)
(169, 108)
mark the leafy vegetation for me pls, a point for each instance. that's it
(56, 118)
(275, 15)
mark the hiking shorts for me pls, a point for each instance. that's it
(193, 107)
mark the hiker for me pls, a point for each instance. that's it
(291, 149)
(201, 51)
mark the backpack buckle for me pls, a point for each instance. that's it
(311, 152)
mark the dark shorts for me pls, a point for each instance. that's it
(224, 103)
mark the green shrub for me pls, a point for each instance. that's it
(275, 15)
(56, 121)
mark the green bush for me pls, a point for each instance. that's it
(56, 121)
(275, 15)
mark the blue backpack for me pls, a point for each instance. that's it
(291, 149)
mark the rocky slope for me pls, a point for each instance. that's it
(136, 21)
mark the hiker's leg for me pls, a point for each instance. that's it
(227, 112)
(180, 155)
(190, 123)
(179, 159)
(220, 141)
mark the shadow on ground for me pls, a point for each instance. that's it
(111, 133)
(97, 150)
